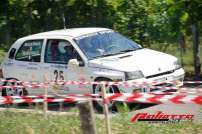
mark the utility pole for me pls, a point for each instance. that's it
(64, 20)
(196, 50)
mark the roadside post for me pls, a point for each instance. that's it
(45, 103)
(60, 106)
(37, 103)
(105, 109)
(86, 114)
(31, 105)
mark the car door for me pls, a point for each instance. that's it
(57, 54)
(26, 63)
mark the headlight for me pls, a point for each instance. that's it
(133, 75)
(177, 64)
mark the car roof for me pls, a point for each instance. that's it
(73, 32)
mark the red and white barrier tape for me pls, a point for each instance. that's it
(160, 88)
(125, 84)
(122, 97)
(119, 83)
(179, 89)
(85, 95)
(26, 86)
(50, 96)
(30, 100)
(69, 95)
(152, 98)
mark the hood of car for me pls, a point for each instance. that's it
(148, 61)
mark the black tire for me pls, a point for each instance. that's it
(4, 90)
(99, 108)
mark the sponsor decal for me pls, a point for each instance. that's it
(8, 64)
(85, 36)
(58, 88)
(21, 65)
(92, 34)
(59, 66)
(32, 68)
(160, 117)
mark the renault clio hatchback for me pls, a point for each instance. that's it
(85, 54)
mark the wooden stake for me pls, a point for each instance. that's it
(106, 110)
(31, 105)
(60, 106)
(45, 104)
(37, 106)
(87, 117)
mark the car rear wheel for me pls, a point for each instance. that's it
(9, 91)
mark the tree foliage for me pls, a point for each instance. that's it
(145, 21)
(142, 20)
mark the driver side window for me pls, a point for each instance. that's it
(59, 51)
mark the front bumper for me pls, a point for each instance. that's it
(177, 76)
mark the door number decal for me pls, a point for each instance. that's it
(59, 75)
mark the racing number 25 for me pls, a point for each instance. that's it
(58, 75)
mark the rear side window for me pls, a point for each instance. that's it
(30, 51)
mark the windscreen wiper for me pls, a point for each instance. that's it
(127, 50)
(105, 55)
(121, 52)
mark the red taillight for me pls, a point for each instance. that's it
(1, 73)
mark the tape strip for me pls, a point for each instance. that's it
(123, 97)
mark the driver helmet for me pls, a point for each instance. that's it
(62, 47)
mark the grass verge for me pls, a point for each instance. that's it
(23, 123)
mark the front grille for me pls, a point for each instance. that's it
(159, 87)
(156, 75)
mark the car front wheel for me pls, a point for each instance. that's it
(97, 89)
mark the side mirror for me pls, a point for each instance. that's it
(75, 62)
(140, 46)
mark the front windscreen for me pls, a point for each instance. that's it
(105, 43)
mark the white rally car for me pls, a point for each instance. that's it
(85, 54)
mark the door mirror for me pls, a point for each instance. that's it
(140, 46)
(75, 62)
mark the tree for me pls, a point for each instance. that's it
(195, 16)
(185, 16)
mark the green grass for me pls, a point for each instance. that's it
(21, 123)
(2, 55)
